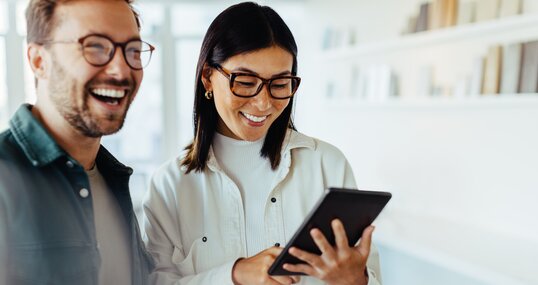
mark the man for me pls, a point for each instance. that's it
(65, 210)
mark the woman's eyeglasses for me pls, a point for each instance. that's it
(248, 85)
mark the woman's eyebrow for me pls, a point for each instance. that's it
(243, 69)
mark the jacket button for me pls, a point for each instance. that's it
(204, 239)
(84, 193)
(273, 200)
(69, 164)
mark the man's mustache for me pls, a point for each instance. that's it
(113, 82)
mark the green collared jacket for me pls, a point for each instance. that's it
(47, 231)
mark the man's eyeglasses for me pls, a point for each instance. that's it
(248, 85)
(99, 50)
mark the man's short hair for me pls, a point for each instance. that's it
(40, 19)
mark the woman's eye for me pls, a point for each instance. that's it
(245, 84)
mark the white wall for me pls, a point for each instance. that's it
(463, 173)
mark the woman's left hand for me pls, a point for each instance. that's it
(341, 264)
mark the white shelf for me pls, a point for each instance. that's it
(520, 101)
(493, 258)
(493, 29)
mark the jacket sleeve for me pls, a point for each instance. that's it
(163, 242)
(372, 266)
(3, 229)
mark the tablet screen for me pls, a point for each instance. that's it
(357, 209)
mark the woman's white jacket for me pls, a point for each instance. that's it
(195, 225)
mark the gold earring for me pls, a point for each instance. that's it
(209, 95)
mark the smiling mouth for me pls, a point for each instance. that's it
(109, 96)
(255, 119)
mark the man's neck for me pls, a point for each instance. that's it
(82, 148)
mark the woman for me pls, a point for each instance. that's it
(219, 213)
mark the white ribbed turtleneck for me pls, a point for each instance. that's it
(253, 175)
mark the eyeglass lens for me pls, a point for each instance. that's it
(246, 85)
(99, 51)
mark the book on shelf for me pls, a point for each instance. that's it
(442, 14)
(434, 15)
(509, 8)
(528, 81)
(359, 83)
(450, 9)
(477, 77)
(466, 12)
(425, 81)
(461, 89)
(423, 18)
(337, 37)
(487, 10)
(375, 83)
(511, 64)
(492, 70)
(411, 25)
(434, 20)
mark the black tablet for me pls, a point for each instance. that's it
(357, 209)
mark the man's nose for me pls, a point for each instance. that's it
(118, 67)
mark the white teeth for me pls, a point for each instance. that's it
(254, 118)
(109, 92)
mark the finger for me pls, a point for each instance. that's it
(310, 258)
(339, 234)
(282, 279)
(274, 251)
(322, 242)
(300, 268)
(296, 279)
(366, 241)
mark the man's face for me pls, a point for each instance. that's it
(94, 100)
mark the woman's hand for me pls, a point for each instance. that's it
(253, 270)
(341, 264)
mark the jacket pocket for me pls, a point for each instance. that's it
(195, 261)
(54, 263)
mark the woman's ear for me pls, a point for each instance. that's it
(206, 77)
(36, 58)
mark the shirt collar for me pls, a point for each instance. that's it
(41, 149)
(34, 140)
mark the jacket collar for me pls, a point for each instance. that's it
(36, 143)
(292, 140)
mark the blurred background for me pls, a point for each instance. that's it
(435, 101)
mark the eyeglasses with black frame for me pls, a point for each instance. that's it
(247, 85)
(98, 50)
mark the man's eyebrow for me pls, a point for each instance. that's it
(133, 38)
(243, 69)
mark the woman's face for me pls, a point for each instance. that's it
(249, 118)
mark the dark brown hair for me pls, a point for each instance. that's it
(40, 20)
(241, 28)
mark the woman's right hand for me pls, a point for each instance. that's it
(253, 270)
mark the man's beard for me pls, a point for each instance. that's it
(72, 103)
